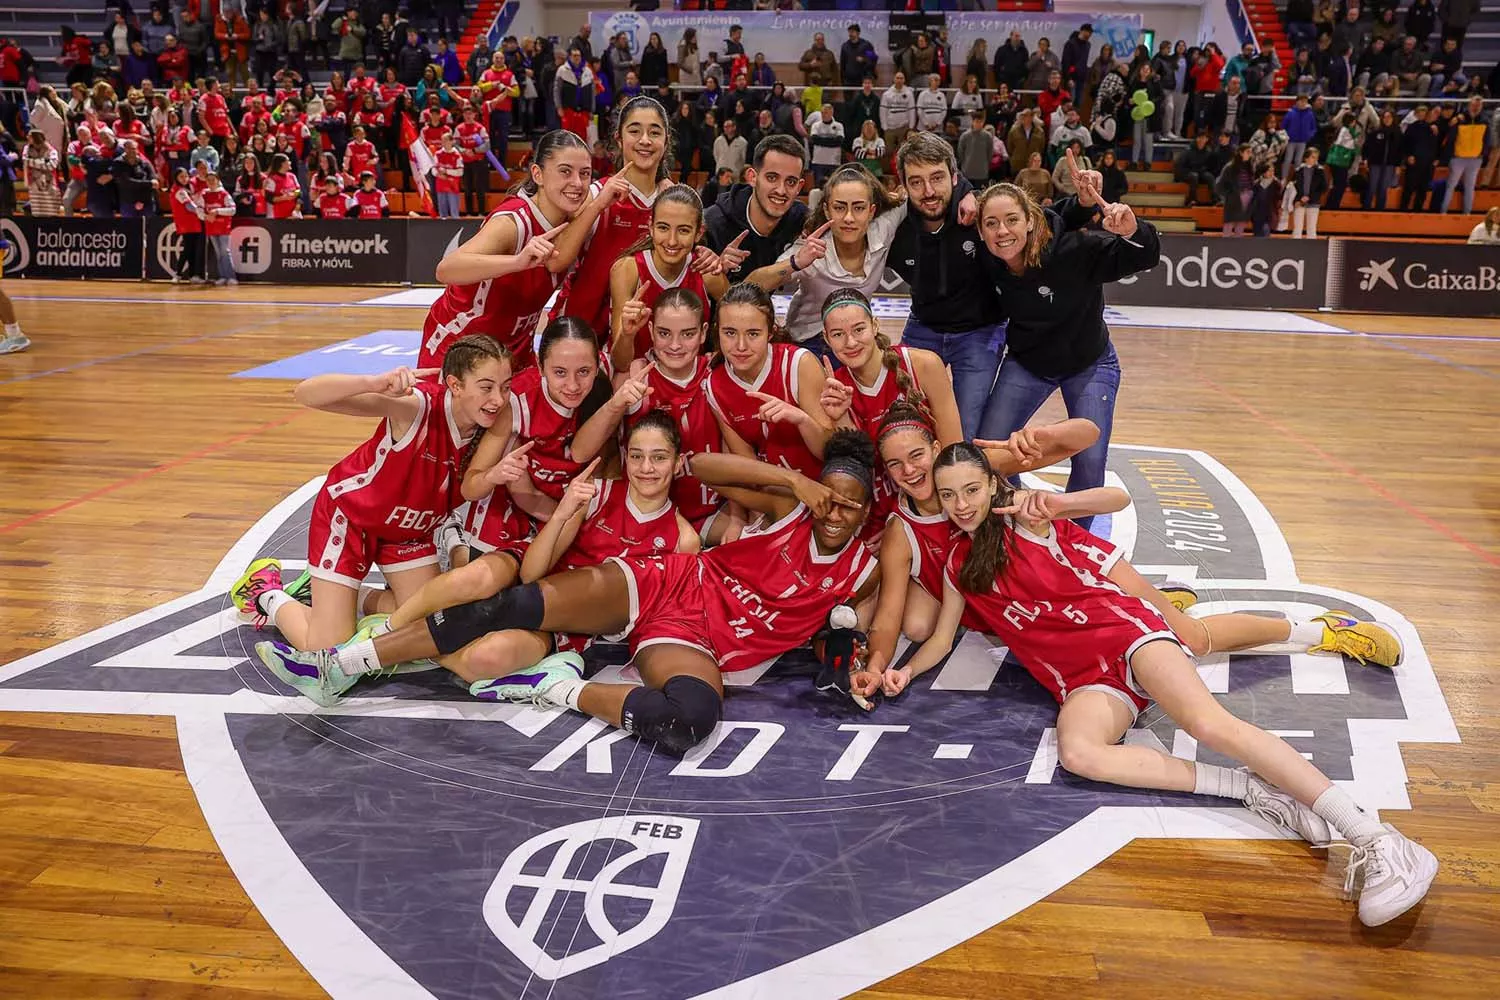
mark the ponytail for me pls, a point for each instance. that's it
(989, 553)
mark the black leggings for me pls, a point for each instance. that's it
(190, 261)
(476, 186)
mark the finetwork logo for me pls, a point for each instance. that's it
(638, 859)
(1378, 272)
(293, 245)
(251, 249)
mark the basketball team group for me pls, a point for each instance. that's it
(659, 462)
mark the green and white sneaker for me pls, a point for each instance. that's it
(300, 589)
(533, 684)
(314, 673)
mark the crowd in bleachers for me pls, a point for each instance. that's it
(225, 89)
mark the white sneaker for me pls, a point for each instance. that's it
(1286, 813)
(221, 282)
(234, 281)
(14, 345)
(176, 279)
(1397, 874)
(448, 535)
(195, 280)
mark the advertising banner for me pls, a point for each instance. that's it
(1419, 279)
(783, 36)
(298, 251)
(429, 241)
(964, 29)
(72, 248)
(1211, 272)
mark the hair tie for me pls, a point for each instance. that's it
(853, 469)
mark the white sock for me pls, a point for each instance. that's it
(564, 694)
(358, 658)
(273, 601)
(13, 329)
(1224, 782)
(1358, 826)
(1307, 634)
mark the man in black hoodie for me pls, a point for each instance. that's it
(765, 213)
(1010, 62)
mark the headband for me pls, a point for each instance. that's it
(854, 470)
(909, 424)
(848, 301)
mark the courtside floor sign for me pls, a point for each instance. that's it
(372, 354)
(414, 842)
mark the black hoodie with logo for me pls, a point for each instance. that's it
(729, 216)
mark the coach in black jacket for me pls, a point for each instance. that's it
(755, 222)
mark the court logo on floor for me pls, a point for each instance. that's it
(414, 842)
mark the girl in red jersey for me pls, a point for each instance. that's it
(619, 216)
(664, 258)
(688, 617)
(1037, 583)
(251, 188)
(378, 505)
(676, 370)
(333, 202)
(766, 395)
(370, 202)
(187, 216)
(498, 282)
(218, 221)
(360, 154)
(283, 191)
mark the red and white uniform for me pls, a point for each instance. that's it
(778, 443)
(496, 85)
(433, 132)
(450, 171)
(359, 156)
(508, 308)
(614, 527)
(379, 505)
(359, 86)
(586, 292)
(471, 135)
(867, 409)
(687, 402)
(931, 538)
(372, 120)
(536, 416)
(185, 211)
(294, 128)
(334, 206)
(282, 184)
(1066, 622)
(388, 92)
(744, 602)
(496, 524)
(654, 284)
(218, 208)
(371, 204)
(174, 140)
(250, 120)
(135, 131)
(215, 113)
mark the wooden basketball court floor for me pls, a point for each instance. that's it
(130, 462)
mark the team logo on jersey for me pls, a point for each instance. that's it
(416, 839)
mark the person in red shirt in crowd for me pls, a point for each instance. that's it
(389, 90)
(473, 144)
(10, 63)
(450, 172)
(434, 123)
(360, 84)
(373, 120)
(187, 216)
(283, 191)
(1205, 76)
(337, 94)
(255, 113)
(329, 125)
(77, 176)
(293, 126)
(250, 189)
(218, 219)
(369, 199)
(499, 88)
(172, 61)
(128, 126)
(360, 155)
(174, 141)
(214, 111)
(333, 203)
(78, 56)
(198, 179)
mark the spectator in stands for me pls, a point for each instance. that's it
(1195, 166)
(967, 98)
(919, 61)
(268, 43)
(233, 34)
(898, 108)
(1071, 130)
(77, 56)
(351, 35)
(686, 139)
(1025, 138)
(1265, 200)
(1051, 98)
(1042, 64)
(1488, 231)
(1036, 180)
(1236, 189)
(1300, 32)
(447, 14)
(1063, 180)
(1303, 76)
(1419, 150)
(856, 58)
(1226, 110)
(1338, 70)
(1410, 67)
(932, 106)
(1143, 138)
(719, 181)
(1456, 16)
(975, 149)
(100, 194)
(1301, 128)
(137, 64)
(1114, 184)
(10, 170)
(412, 59)
(863, 106)
(977, 64)
(730, 149)
(1373, 68)
(1351, 31)
(653, 62)
(1309, 183)
(1170, 66)
(1269, 143)
(449, 68)
(689, 63)
(581, 42)
(1382, 153)
(869, 148)
(1205, 72)
(1464, 147)
(1074, 63)
(39, 159)
(1489, 176)
(1447, 69)
(710, 98)
(1011, 62)
(618, 61)
(135, 182)
(1421, 18)
(1340, 157)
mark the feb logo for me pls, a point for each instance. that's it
(414, 842)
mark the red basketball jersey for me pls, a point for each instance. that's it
(495, 523)
(586, 292)
(398, 490)
(1067, 623)
(931, 538)
(536, 416)
(687, 402)
(779, 443)
(654, 284)
(614, 526)
(507, 308)
(371, 204)
(867, 410)
(771, 590)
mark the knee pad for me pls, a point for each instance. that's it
(515, 607)
(677, 717)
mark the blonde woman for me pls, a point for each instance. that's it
(1488, 231)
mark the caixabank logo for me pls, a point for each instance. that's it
(412, 842)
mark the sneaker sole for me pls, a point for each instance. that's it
(294, 681)
(1400, 646)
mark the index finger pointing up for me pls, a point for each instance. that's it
(734, 244)
(818, 233)
(827, 367)
(549, 234)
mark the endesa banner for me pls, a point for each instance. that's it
(1212, 272)
(72, 248)
(298, 251)
(1419, 279)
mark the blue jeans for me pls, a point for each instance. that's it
(1089, 394)
(819, 348)
(447, 204)
(974, 356)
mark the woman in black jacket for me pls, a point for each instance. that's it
(1115, 182)
(1236, 188)
(1051, 283)
(685, 135)
(1382, 152)
(653, 68)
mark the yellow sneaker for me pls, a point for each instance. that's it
(1180, 594)
(1366, 642)
(262, 575)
